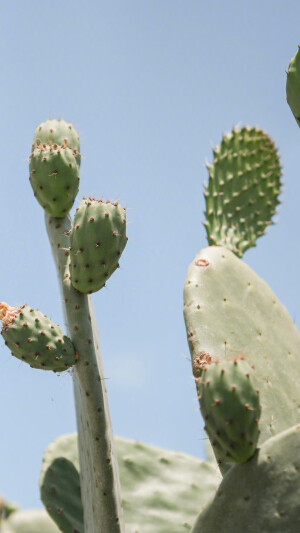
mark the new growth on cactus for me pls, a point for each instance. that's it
(97, 238)
(35, 339)
(230, 407)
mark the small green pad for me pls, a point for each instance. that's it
(230, 407)
(57, 132)
(293, 86)
(54, 178)
(61, 494)
(262, 495)
(243, 189)
(35, 339)
(98, 238)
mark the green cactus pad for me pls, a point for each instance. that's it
(35, 339)
(230, 407)
(61, 491)
(31, 521)
(54, 178)
(243, 189)
(162, 491)
(293, 86)
(262, 495)
(57, 132)
(98, 238)
(230, 312)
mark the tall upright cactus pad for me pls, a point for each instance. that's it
(162, 490)
(230, 407)
(262, 495)
(57, 132)
(98, 238)
(243, 189)
(293, 86)
(54, 178)
(230, 312)
(32, 337)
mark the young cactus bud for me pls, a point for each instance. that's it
(54, 178)
(230, 407)
(243, 188)
(57, 132)
(34, 338)
(293, 86)
(98, 238)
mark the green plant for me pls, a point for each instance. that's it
(238, 333)
(230, 313)
(80, 483)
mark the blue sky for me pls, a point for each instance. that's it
(151, 86)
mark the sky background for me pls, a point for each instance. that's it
(151, 86)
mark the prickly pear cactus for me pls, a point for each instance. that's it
(243, 189)
(58, 132)
(31, 521)
(54, 177)
(162, 491)
(98, 238)
(61, 490)
(230, 407)
(230, 311)
(293, 86)
(35, 339)
(262, 495)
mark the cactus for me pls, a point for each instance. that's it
(98, 238)
(35, 339)
(245, 354)
(61, 495)
(148, 506)
(243, 188)
(293, 86)
(262, 494)
(32, 521)
(54, 177)
(230, 313)
(58, 132)
(230, 407)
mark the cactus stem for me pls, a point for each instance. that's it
(100, 484)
